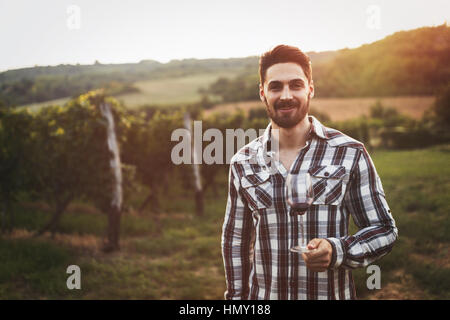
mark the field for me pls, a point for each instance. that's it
(176, 255)
(39, 105)
(166, 91)
(339, 109)
(170, 91)
(184, 90)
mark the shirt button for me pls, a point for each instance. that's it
(326, 174)
(292, 283)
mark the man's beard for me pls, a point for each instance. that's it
(293, 118)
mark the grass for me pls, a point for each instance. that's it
(33, 269)
(171, 91)
(176, 255)
(164, 91)
(417, 188)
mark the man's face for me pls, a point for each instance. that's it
(286, 93)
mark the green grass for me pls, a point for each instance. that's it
(176, 255)
(433, 279)
(170, 91)
(417, 187)
(79, 222)
(33, 269)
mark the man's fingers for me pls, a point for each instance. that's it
(314, 254)
(318, 269)
(317, 260)
(320, 261)
(313, 244)
(317, 266)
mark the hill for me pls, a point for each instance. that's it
(40, 84)
(414, 62)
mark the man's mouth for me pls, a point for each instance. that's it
(287, 108)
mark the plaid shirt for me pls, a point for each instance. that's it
(259, 228)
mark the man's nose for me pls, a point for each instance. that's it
(286, 93)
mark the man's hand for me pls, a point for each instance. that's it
(318, 260)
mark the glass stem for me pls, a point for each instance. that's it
(301, 230)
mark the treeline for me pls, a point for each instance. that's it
(406, 63)
(47, 88)
(242, 88)
(412, 62)
(38, 84)
(60, 153)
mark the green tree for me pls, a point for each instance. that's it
(71, 159)
(148, 147)
(14, 161)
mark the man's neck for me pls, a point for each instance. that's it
(292, 138)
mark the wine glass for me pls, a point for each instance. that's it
(299, 195)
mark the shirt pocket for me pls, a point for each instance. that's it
(329, 184)
(258, 190)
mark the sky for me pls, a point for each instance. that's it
(56, 32)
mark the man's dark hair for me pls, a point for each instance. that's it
(282, 54)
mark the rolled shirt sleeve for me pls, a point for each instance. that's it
(365, 200)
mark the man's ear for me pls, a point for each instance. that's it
(261, 92)
(311, 89)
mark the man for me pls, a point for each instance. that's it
(260, 228)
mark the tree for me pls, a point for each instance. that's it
(71, 159)
(14, 161)
(442, 106)
(147, 146)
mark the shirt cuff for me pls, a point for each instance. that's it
(338, 255)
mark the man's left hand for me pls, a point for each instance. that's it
(318, 260)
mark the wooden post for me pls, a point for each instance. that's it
(114, 212)
(195, 158)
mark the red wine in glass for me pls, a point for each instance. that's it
(299, 195)
(301, 207)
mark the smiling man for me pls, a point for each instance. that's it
(260, 227)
